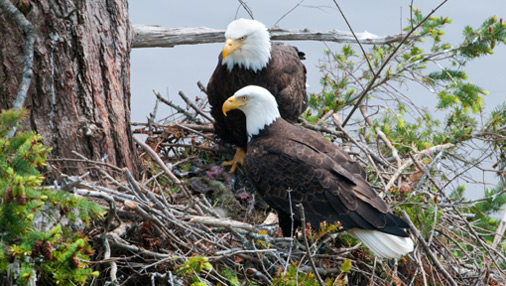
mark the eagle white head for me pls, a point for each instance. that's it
(247, 45)
(257, 103)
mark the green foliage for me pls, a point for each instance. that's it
(294, 278)
(325, 229)
(495, 133)
(482, 41)
(345, 74)
(31, 249)
(336, 92)
(193, 266)
(346, 266)
(231, 276)
(440, 67)
(481, 212)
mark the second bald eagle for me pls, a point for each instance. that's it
(288, 165)
(248, 57)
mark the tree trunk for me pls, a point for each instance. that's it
(79, 96)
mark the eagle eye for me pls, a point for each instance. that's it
(242, 38)
(244, 97)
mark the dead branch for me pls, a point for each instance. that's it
(198, 110)
(338, 122)
(222, 222)
(381, 135)
(418, 155)
(176, 107)
(500, 231)
(427, 249)
(162, 165)
(306, 243)
(163, 37)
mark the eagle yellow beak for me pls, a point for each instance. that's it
(230, 104)
(230, 47)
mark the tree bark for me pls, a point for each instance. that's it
(79, 95)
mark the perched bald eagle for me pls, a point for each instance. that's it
(327, 181)
(248, 57)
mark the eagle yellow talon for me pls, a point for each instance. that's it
(240, 153)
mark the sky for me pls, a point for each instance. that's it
(169, 70)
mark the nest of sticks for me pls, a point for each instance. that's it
(187, 220)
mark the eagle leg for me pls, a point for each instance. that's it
(240, 153)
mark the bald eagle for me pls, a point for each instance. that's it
(330, 185)
(248, 57)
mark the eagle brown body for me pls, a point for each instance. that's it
(284, 76)
(327, 181)
(288, 164)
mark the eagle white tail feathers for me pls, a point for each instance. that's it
(383, 244)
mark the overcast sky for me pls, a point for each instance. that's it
(168, 70)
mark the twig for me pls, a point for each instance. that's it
(247, 8)
(292, 229)
(356, 39)
(160, 163)
(171, 175)
(499, 233)
(308, 249)
(321, 128)
(235, 251)
(116, 241)
(93, 162)
(222, 222)
(152, 117)
(204, 127)
(209, 118)
(381, 135)
(427, 249)
(202, 87)
(426, 171)
(113, 266)
(410, 161)
(337, 121)
(194, 131)
(111, 214)
(387, 61)
(177, 108)
(259, 275)
(289, 11)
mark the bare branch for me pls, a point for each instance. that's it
(162, 37)
(222, 222)
(355, 36)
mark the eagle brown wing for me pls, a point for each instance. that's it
(284, 76)
(329, 184)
